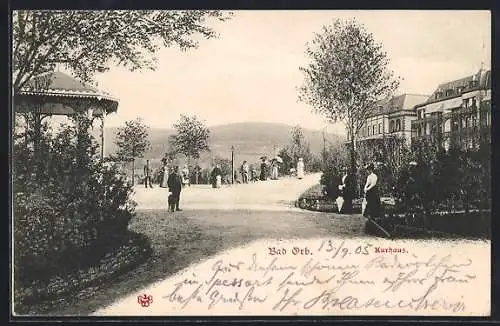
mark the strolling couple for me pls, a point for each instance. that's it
(348, 192)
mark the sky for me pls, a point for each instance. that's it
(251, 71)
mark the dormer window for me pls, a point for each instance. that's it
(449, 92)
(473, 83)
(459, 89)
(439, 94)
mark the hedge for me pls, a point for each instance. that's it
(133, 250)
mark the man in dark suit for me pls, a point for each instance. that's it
(174, 186)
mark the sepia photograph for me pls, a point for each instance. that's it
(250, 163)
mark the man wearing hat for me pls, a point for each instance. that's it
(174, 187)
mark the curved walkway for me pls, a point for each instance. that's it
(262, 195)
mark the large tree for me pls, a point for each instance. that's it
(191, 138)
(132, 141)
(87, 42)
(346, 77)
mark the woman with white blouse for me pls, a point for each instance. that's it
(371, 193)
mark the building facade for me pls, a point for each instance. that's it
(458, 113)
(392, 119)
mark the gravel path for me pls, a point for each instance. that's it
(213, 221)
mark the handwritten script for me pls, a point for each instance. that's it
(347, 278)
(333, 277)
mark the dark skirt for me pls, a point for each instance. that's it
(347, 206)
(373, 206)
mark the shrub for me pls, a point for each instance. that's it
(63, 215)
(121, 256)
(336, 158)
(315, 164)
(452, 180)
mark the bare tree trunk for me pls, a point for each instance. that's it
(133, 171)
(352, 150)
(196, 173)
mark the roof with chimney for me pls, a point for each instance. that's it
(403, 102)
(455, 88)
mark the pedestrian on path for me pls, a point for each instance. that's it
(216, 177)
(274, 169)
(174, 187)
(164, 175)
(244, 171)
(372, 197)
(185, 176)
(300, 168)
(148, 172)
(347, 191)
(263, 170)
(253, 174)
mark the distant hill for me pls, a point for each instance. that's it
(250, 140)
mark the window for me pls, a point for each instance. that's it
(473, 102)
(474, 121)
(466, 103)
(379, 128)
(449, 92)
(398, 125)
(368, 129)
(391, 126)
(373, 130)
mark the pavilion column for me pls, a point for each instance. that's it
(102, 135)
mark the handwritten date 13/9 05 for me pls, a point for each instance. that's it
(340, 250)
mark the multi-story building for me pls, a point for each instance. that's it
(458, 113)
(391, 119)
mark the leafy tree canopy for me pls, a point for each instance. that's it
(191, 138)
(347, 74)
(91, 41)
(132, 140)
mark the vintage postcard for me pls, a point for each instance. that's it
(264, 163)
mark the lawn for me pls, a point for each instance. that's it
(184, 238)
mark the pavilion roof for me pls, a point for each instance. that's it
(63, 85)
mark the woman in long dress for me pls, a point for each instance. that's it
(185, 176)
(372, 196)
(274, 171)
(263, 170)
(347, 191)
(216, 177)
(164, 176)
(300, 168)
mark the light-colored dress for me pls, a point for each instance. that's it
(218, 181)
(164, 178)
(300, 169)
(185, 176)
(274, 174)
